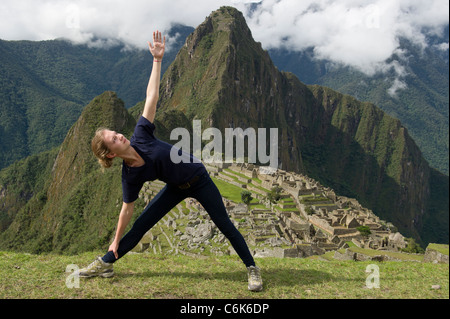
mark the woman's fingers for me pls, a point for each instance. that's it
(158, 42)
(156, 36)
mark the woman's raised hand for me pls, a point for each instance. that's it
(158, 47)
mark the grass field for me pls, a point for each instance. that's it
(25, 276)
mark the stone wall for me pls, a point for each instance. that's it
(433, 255)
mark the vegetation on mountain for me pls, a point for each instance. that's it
(426, 76)
(45, 85)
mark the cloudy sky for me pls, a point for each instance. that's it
(360, 33)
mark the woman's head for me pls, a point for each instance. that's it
(108, 144)
(100, 149)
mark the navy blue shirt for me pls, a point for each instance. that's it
(158, 164)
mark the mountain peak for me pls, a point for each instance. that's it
(105, 110)
(222, 28)
(219, 56)
(230, 19)
(226, 19)
(75, 158)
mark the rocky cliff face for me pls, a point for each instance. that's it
(224, 78)
(371, 155)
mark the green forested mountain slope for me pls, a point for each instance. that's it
(422, 105)
(45, 85)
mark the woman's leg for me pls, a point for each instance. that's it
(209, 197)
(158, 207)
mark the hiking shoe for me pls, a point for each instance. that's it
(97, 268)
(254, 279)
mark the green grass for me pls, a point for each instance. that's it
(443, 249)
(233, 192)
(227, 190)
(27, 276)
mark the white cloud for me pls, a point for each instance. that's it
(442, 46)
(397, 84)
(81, 21)
(359, 33)
(362, 34)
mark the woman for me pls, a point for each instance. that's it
(146, 158)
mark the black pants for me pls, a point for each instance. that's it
(206, 192)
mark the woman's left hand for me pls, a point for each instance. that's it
(159, 45)
(113, 247)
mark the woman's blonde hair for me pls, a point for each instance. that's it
(100, 149)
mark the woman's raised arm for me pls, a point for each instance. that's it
(157, 50)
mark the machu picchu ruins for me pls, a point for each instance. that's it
(307, 219)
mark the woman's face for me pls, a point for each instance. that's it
(116, 143)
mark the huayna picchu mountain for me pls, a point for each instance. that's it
(221, 76)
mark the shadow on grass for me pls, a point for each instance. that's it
(272, 277)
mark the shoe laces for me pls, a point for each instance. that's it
(94, 263)
(254, 273)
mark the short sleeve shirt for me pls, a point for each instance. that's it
(158, 162)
